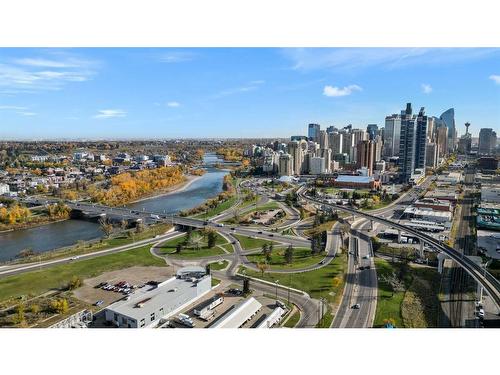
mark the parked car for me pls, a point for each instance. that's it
(356, 306)
(99, 303)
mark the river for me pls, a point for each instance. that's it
(68, 232)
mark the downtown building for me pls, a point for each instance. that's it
(487, 141)
(412, 145)
(392, 132)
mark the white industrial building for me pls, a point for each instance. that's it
(488, 194)
(428, 214)
(206, 307)
(148, 305)
(239, 314)
(272, 319)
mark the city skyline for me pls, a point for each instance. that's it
(141, 93)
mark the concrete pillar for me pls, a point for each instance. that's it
(371, 224)
(441, 258)
(399, 236)
(479, 295)
(421, 250)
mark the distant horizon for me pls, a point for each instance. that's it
(214, 93)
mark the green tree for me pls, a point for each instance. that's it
(267, 250)
(289, 254)
(211, 239)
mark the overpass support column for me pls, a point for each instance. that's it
(479, 293)
(371, 224)
(399, 236)
(421, 250)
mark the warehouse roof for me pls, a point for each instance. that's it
(239, 315)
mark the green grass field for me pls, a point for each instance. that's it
(217, 210)
(38, 282)
(326, 282)
(293, 320)
(248, 243)
(302, 258)
(415, 307)
(219, 265)
(169, 248)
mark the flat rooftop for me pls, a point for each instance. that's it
(428, 212)
(356, 179)
(172, 292)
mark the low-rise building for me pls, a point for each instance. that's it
(272, 319)
(434, 204)
(490, 194)
(355, 182)
(428, 215)
(4, 189)
(239, 314)
(148, 305)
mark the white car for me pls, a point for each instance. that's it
(480, 313)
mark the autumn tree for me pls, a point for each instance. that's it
(106, 226)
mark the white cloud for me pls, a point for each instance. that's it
(27, 113)
(354, 58)
(495, 78)
(177, 57)
(110, 113)
(333, 91)
(250, 86)
(38, 73)
(173, 104)
(426, 88)
(46, 63)
(12, 107)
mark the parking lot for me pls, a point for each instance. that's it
(133, 276)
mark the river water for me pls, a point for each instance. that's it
(68, 232)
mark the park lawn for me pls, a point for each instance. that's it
(264, 207)
(302, 258)
(415, 307)
(218, 209)
(325, 227)
(169, 248)
(248, 243)
(388, 302)
(38, 282)
(229, 247)
(326, 282)
(220, 265)
(293, 320)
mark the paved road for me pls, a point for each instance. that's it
(361, 285)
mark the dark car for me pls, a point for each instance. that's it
(271, 235)
(260, 232)
(205, 223)
(233, 228)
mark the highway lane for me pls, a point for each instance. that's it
(361, 285)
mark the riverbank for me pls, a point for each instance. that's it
(23, 226)
(189, 179)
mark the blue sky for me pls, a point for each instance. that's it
(169, 93)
